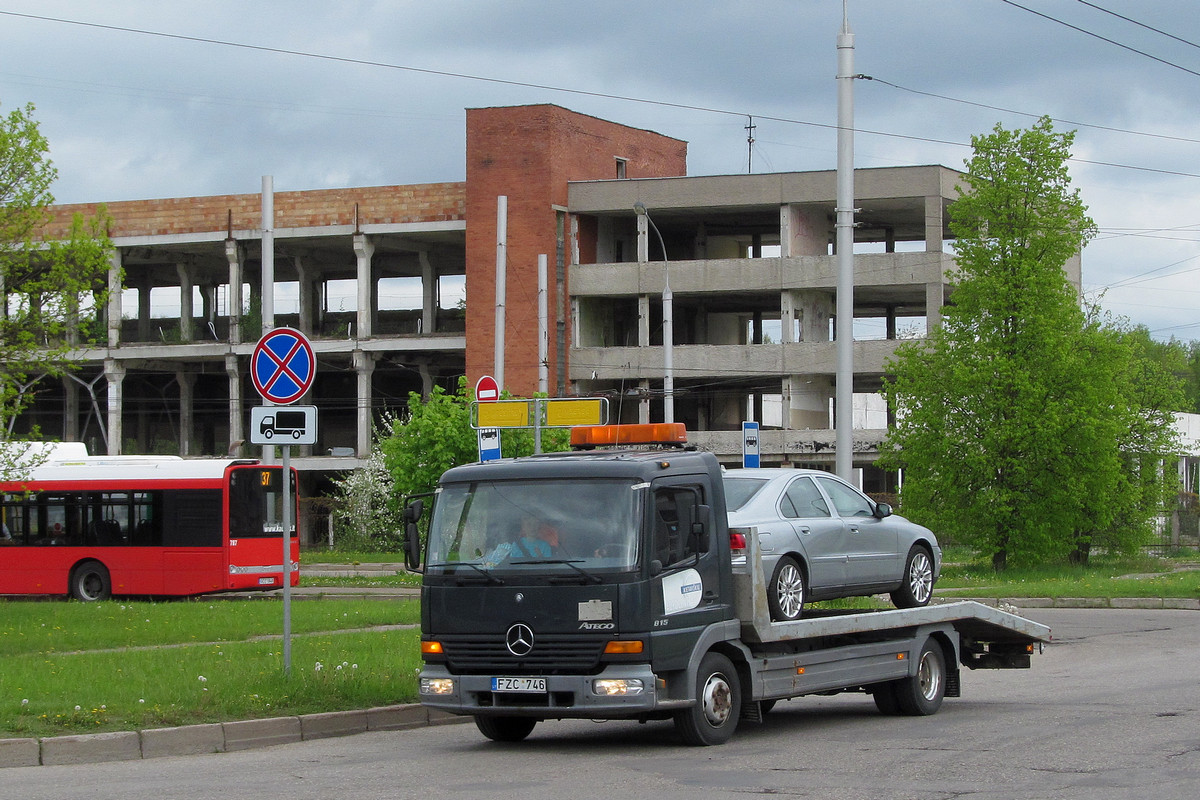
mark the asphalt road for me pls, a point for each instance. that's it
(1111, 710)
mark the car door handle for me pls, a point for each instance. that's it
(805, 529)
(853, 528)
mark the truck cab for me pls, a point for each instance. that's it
(573, 585)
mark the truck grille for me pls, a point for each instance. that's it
(551, 655)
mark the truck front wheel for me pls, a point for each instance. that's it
(505, 729)
(714, 717)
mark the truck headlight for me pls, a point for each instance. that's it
(609, 687)
(437, 685)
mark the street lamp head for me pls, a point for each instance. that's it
(639, 208)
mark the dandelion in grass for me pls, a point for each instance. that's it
(25, 702)
(203, 679)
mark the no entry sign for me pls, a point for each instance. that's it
(282, 366)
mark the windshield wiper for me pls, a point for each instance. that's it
(490, 577)
(569, 562)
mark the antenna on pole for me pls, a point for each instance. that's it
(750, 126)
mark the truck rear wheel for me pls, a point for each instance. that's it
(922, 694)
(714, 717)
(505, 729)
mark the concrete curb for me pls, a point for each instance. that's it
(217, 737)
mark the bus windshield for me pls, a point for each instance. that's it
(543, 525)
(256, 502)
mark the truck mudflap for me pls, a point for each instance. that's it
(618, 691)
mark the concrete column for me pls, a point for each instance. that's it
(643, 238)
(237, 430)
(787, 316)
(70, 409)
(643, 320)
(808, 405)
(115, 276)
(363, 250)
(935, 297)
(644, 402)
(114, 374)
(186, 311)
(429, 294)
(426, 379)
(364, 366)
(143, 320)
(236, 257)
(815, 310)
(187, 401)
(307, 295)
(933, 224)
(208, 310)
(802, 231)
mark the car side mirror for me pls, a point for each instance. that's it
(883, 510)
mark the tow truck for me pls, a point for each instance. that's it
(607, 584)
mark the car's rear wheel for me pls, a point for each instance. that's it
(787, 591)
(917, 588)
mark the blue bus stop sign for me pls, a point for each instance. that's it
(283, 366)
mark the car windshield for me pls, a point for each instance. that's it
(738, 491)
(562, 526)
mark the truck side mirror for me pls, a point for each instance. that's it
(412, 547)
(412, 511)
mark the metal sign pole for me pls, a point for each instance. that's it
(287, 559)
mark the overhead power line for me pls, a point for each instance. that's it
(563, 89)
(1102, 38)
(1140, 24)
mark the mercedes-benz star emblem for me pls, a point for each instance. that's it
(519, 639)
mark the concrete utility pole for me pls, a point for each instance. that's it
(501, 290)
(843, 407)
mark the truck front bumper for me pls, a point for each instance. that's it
(619, 691)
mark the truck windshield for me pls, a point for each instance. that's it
(545, 526)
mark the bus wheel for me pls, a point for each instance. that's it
(714, 717)
(505, 729)
(90, 582)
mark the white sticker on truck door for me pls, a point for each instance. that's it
(682, 591)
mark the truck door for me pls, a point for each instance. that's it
(684, 570)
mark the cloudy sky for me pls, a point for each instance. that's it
(145, 98)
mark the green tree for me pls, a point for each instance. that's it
(53, 287)
(436, 435)
(1017, 426)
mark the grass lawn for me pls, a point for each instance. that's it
(83, 668)
(1104, 576)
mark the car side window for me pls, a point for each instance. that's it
(847, 501)
(803, 500)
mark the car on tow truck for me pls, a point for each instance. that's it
(822, 539)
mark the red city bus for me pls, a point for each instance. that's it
(95, 526)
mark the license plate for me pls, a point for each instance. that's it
(518, 684)
(266, 581)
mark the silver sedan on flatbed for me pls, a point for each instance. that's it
(821, 538)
